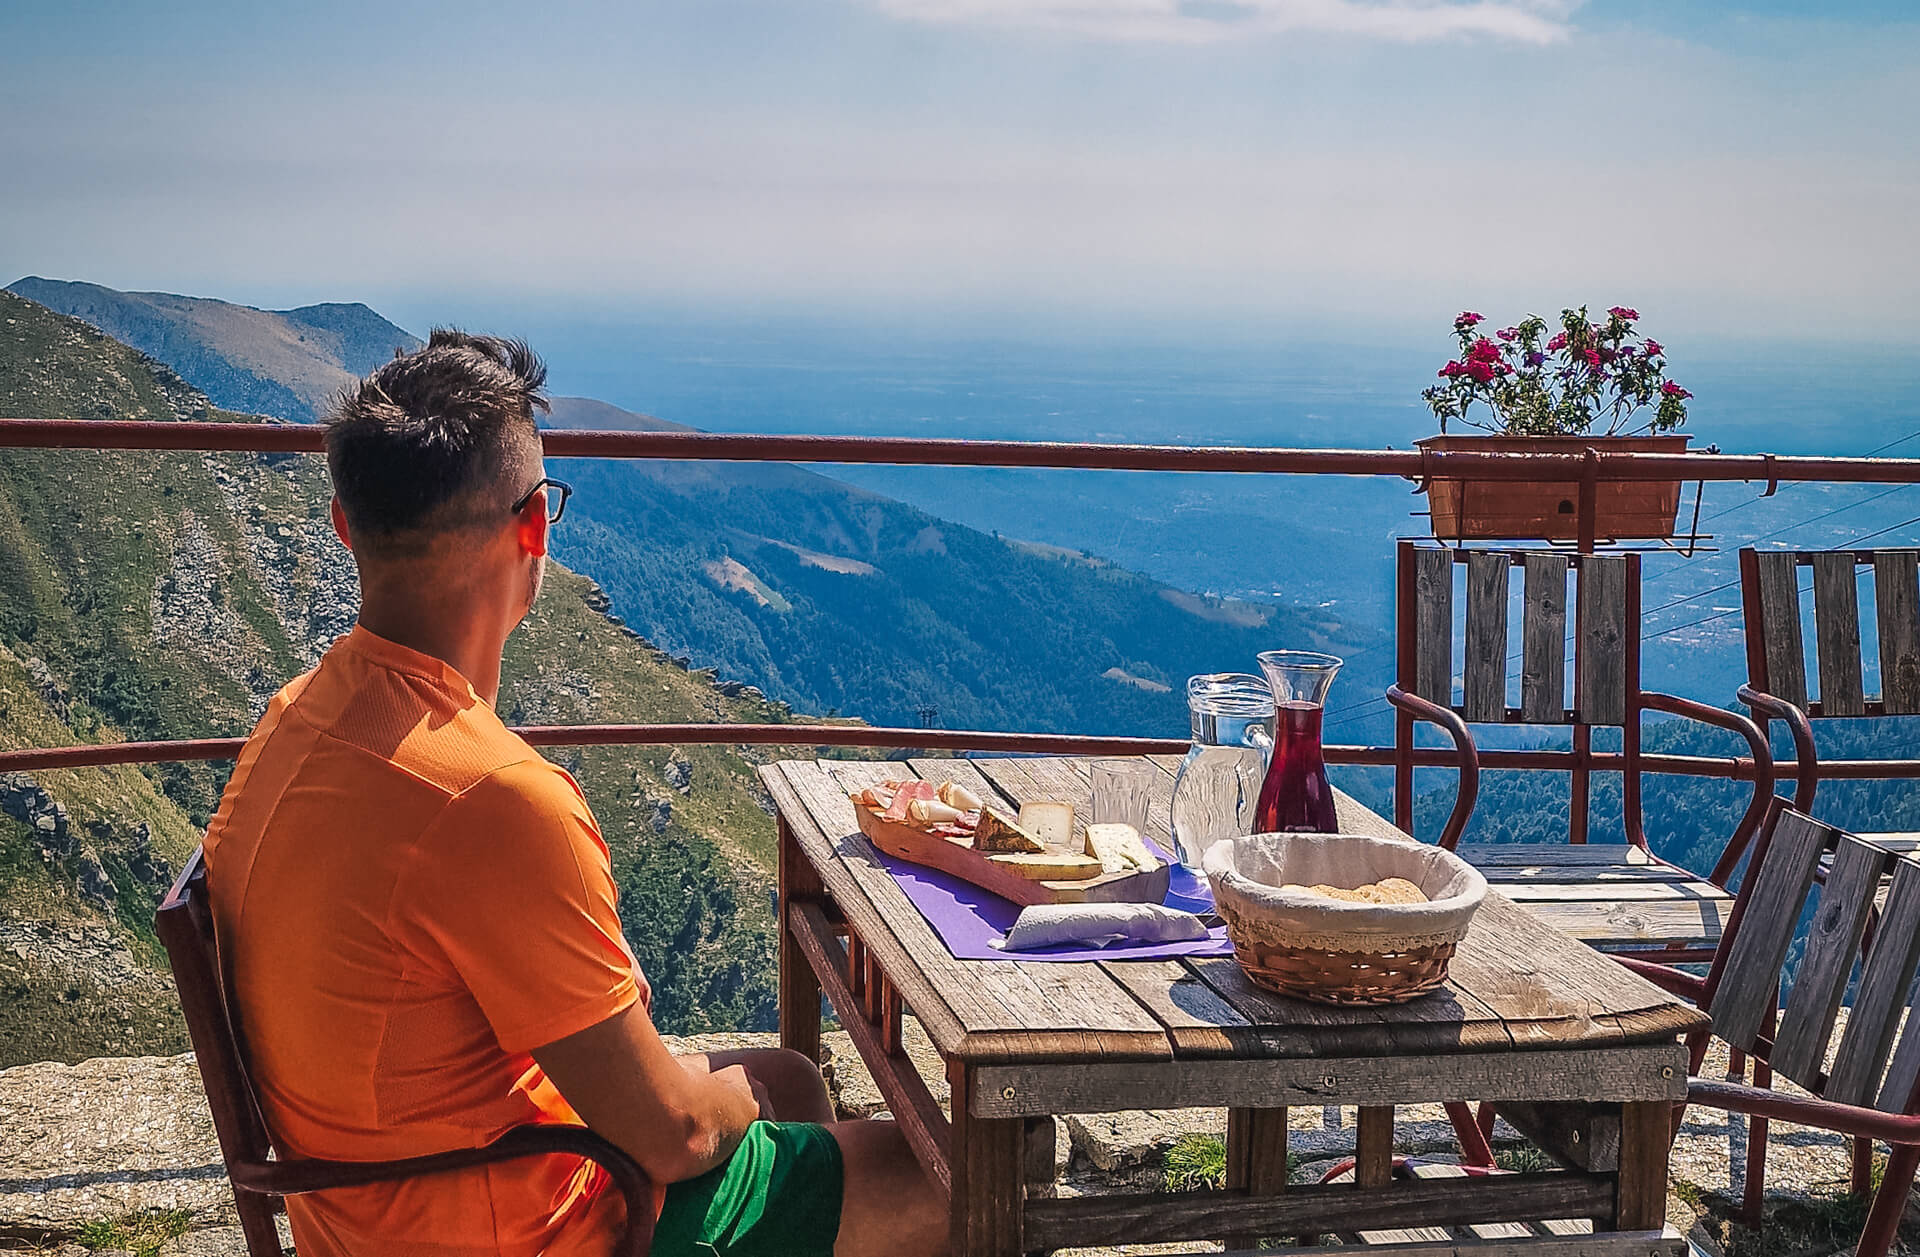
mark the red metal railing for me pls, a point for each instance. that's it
(1417, 465)
(881, 737)
(753, 447)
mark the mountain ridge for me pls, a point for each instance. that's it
(284, 363)
(835, 597)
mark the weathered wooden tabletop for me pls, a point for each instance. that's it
(1513, 982)
(1529, 1018)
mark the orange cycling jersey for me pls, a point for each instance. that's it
(408, 899)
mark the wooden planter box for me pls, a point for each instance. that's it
(1521, 510)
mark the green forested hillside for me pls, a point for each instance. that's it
(164, 595)
(837, 598)
(829, 597)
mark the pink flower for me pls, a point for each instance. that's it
(1558, 342)
(1467, 318)
(1482, 372)
(1593, 357)
(1507, 333)
(1624, 312)
(1450, 370)
(1670, 389)
(1653, 348)
(1483, 350)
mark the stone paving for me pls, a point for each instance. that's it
(113, 1136)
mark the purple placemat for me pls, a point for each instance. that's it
(969, 919)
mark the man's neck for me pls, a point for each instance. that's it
(465, 643)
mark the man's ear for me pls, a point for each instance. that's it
(339, 514)
(532, 526)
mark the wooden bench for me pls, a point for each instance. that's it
(260, 1175)
(1614, 896)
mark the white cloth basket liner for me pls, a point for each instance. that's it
(1247, 875)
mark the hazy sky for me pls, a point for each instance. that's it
(1371, 164)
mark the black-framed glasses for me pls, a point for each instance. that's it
(559, 507)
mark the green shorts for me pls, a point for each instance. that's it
(777, 1196)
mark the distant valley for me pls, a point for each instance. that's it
(829, 596)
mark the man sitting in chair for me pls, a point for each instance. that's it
(415, 911)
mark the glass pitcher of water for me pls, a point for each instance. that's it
(1219, 781)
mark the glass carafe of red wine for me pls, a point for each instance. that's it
(1295, 797)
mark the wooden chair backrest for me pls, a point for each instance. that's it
(1776, 658)
(185, 925)
(1606, 637)
(1867, 1069)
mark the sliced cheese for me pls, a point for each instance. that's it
(1051, 823)
(1119, 849)
(932, 812)
(1050, 866)
(999, 832)
(954, 794)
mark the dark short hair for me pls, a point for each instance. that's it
(427, 443)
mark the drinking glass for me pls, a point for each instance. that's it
(1122, 791)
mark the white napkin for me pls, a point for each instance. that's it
(1045, 924)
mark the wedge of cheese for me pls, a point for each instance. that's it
(999, 832)
(1051, 823)
(1119, 849)
(1050, 866)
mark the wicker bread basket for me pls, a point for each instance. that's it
(1329, 950)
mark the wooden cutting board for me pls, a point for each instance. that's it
(957, 857)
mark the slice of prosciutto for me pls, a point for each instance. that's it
(906, 792)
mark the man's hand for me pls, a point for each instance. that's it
(736, 1080)
(677, 1122)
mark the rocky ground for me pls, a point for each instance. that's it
(118, 1154)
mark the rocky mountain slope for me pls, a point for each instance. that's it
(167, 595)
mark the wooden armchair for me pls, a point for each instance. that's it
(259, 1177)
(1776, 687)
(1616, 895)
(1873, 1090)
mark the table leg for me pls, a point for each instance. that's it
(989, 1160)
(1373, 1146)
(1640, 1196)
(1041, 1137)
(1256, 1158)
(799, 986)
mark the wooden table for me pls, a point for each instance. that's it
(1529, 1018)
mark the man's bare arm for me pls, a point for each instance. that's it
(618, 1075)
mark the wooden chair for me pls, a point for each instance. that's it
(1617, 895)
(258, 1175)
(1873, 1089)
(1776, 687)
